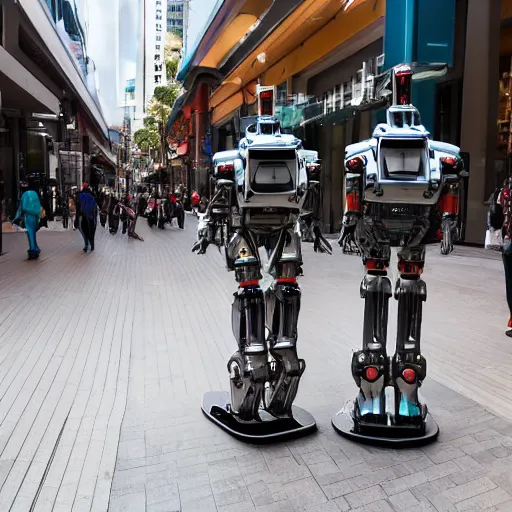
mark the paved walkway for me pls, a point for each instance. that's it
(104, 359)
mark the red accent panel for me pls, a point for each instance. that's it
(355, 164)
(411, 267)
(253, 282)
(409, 375)
(353, 202)
(289, 280)
(449, 203)
(374, 265)
(371, 373)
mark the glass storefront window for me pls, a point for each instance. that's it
(281, 98)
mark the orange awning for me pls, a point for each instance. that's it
(241, 25)
(247, 96)
(227, 107)
(309, 33)
(339, 30)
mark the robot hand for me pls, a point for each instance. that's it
(321, 244)
(204, 230)
(209, 231)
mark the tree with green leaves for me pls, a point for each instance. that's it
(172, 54)
(160, 106)
(147, 139)
(166, 94)
(171, 68)
(159, 110)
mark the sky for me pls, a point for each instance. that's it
(200, 11)
(112, 36)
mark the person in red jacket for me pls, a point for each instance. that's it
(195, 200)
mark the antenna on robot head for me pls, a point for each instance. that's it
(402, 85)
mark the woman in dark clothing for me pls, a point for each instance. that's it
(500, 214)
(113, 215)
(86, 216)
(142, 203)
(125, 218)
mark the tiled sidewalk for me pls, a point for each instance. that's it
(104, 359)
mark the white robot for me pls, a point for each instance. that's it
(261, 189)
(395, 178)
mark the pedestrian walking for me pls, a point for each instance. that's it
(195, 199)
(177, 210)
(125, 217)
(65, 214)
(29, 211)
(105, 201)
(86, 216)
(499, 236)
(113, 214)
(72, 210)
(142, 203)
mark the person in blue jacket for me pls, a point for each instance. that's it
(86, 216)
(29, 211)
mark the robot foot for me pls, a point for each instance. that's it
(216, 407)
(358, 421)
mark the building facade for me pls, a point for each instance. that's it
(175, 13)
(150, 67)
(53, 129)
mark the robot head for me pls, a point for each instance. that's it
(402, 85)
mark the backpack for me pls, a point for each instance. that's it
(87, 205)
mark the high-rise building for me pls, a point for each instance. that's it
(175, 17)
(150, 60)
(112, 46)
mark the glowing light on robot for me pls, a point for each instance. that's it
(409, 375)
(371, 373)
(355, 163)
(226, 168)
(450, 161)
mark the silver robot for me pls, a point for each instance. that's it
(260, 192)
(394, 179)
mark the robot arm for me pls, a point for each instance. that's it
(213, 224)
(311, 218)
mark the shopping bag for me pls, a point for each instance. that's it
(493, 239)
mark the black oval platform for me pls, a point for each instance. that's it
(269, 430)
(384, 435)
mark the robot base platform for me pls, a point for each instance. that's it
(215, 407)
(383, 435)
